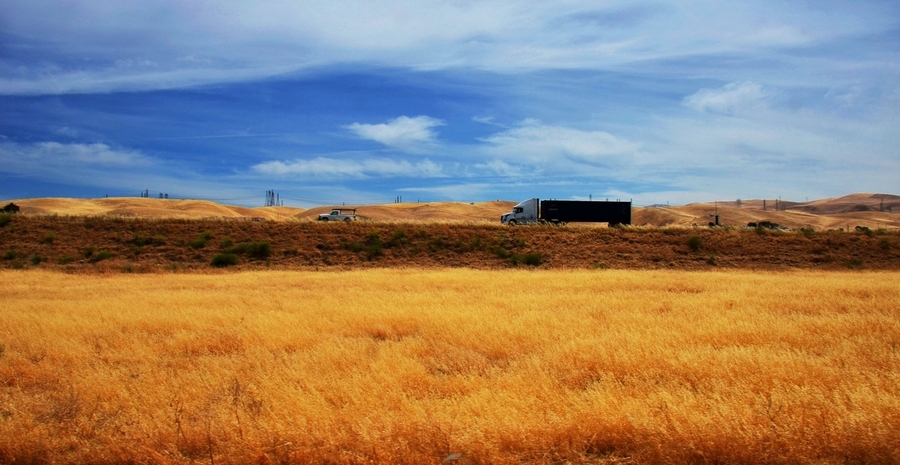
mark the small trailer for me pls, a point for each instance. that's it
(569, 211)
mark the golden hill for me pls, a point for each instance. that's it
(875, 211)
(433, 211)
(149, 207)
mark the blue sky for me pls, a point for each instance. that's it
(364, 102)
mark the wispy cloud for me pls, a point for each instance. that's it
(55, 155)
(537, 143)
(119, 49)
(734, 97)
(337, 169)
(404, 133)
(93, 164)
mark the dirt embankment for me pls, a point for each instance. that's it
(98, 244)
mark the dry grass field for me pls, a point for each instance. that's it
(454, 366)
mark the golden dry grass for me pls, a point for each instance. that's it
(415, 366)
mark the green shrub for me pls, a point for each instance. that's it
(48, 238)
(884, 243)
(201, 241)
(501, 252)
(224, 259)
(398, 238)
(352, 246)
(89, 251)
(259, 250)
(141, 241)
(36, 259)
(10, 255)
(694, 243)
(100, 256)
(532, 259)
(374, 246)
(808, 232)
(438, 243)
(227, 243)
(65, 260)
(5, 218)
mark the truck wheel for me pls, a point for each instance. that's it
(511, 222)
(346, 220)
(323, 219)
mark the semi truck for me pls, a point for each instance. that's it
(569, 211)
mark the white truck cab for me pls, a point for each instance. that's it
(523, 213)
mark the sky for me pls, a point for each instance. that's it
(369, 102)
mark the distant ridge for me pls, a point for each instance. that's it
(861, 209)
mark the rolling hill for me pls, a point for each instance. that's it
(875, 211)
(148, 208)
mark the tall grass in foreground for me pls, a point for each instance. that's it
(407, 366)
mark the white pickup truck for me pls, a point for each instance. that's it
(339, 214)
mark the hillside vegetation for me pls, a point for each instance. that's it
(117, 244)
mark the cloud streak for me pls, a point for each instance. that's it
(537, 143)
(121, 47)
(342, 169)
(54, 155)
(733, 98)
(404, 133)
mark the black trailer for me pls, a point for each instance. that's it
(571, 211)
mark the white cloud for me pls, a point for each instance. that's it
(496, 167)
(731, 99)
(536, 143)
(404, 133)
(43, 156)
(333, 168)
(95, 165)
